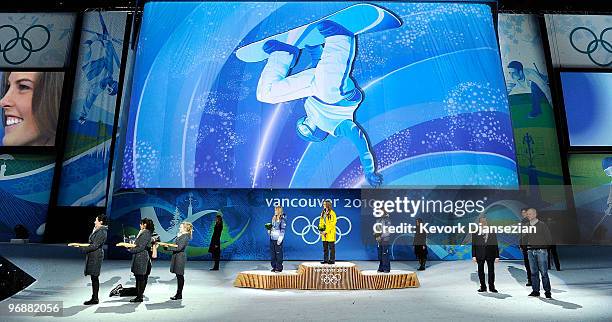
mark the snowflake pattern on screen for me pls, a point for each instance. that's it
(472, 97)
(148, 156)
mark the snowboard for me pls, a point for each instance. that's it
(358, 19)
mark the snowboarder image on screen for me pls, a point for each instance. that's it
(332, 96)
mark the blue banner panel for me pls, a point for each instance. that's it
(531, 105)
(86, 165)
(317, 95)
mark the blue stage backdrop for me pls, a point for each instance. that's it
(25, 187)
(425, 86)
(246, 211)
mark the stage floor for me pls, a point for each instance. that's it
(582, 292)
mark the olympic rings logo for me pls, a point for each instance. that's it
(593, 45)
(311, 228)
(26, 44)
(330, 278)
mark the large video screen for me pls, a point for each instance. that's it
(591, 176)
(317, 95)
(588, 107)
(30, 102)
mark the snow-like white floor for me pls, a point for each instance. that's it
(582, 291)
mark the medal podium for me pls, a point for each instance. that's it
(316, 276)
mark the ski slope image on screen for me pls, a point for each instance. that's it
(317, 95)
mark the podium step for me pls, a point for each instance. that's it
(317, 276)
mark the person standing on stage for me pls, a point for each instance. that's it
(141, 259)
(485, 249)
(277, 235)
(215, 242)
(523, 245)
(95, 255)
(382, 241)
(537, 250)
(420, 244)
(553, 255)
(327, 228)
(177, 263)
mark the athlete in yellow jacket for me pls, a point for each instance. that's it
(327, 226)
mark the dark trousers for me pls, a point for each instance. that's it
(128, 291)
(180, 282)
(490, 271)
(420, 251)
(95, 287)
(552, 252)
(216, 256)
(141, 284)
(276, 255)
(527, 266)
(329, 251)
(538, 259)
(384, 258)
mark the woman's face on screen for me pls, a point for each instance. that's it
(20, 128)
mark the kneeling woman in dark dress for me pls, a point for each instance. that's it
(119, 290)
(141, 259)
(177, 264)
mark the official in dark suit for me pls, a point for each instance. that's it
(179, 258)
(485, 249)
(523, 245)
(95, 255)
(553, 255)
(141, 260)
(215, 242)
(420, 244)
